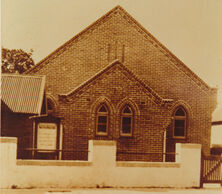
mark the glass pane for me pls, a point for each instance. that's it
(180, 123)
(101, 128)
(126, 129)
(127, 110)
(102, 119)
(102, 109)
(180, 112)
(179, 129)
(126, 120)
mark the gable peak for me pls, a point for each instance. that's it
(139, 28)
(116, 63)
(118, 8)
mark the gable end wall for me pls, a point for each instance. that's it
(117, 88)
(95, 48)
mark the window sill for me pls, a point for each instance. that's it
(179, 137)
(102, 134)
(126, 136)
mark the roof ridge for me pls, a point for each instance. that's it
(106, 68)
(21, 75)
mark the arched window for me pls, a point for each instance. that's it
(50, 106)
(102, 121)
(180, 123)
(126, 121)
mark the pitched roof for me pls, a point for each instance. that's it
(180, 65)
(152, 94)
(22, 94)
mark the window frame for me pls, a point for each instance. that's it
(126, 115)
(98, 114)
(181, 118)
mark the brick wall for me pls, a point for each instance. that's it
(117, 35)
(115, 87)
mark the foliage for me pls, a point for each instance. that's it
(16, 60)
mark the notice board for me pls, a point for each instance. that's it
(46, 136)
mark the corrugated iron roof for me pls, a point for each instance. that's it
(23, 94)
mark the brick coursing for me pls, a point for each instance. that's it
(118, 36)
(116, 88)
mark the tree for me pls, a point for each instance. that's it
(16, 60)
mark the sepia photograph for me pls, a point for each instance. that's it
(111, 97)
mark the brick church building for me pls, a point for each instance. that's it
(115, 81)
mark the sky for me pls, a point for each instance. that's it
(191, 29)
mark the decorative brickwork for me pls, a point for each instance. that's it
(119, 87)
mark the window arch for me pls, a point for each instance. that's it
(50, 105)
(102, 120)
(180, 123)
(127, 121)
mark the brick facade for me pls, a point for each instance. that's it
(118, 36)
(115, 87)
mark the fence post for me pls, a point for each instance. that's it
(8, 151)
